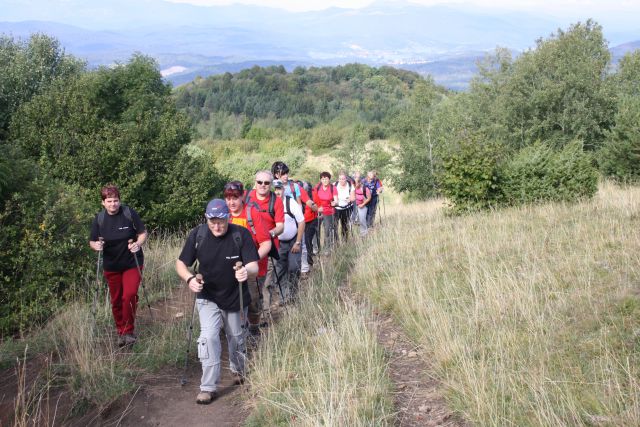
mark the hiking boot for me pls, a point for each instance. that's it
(238, 378)
(254, 329)
(129, 339)
(121, 341)
(206, 397)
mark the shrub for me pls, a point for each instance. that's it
(45, 255)
(619, 158)
(325, 137)
(538, 173)
(469, 176)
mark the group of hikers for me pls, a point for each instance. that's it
(254, 245)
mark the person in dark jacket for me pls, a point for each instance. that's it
(111, 231)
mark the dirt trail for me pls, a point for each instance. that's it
(418, 398)
(160, 400)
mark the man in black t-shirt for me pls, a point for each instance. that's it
(217, 250)
(111, 230)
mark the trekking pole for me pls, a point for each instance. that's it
(144, 288)
(380, 215)
(237, 267)
(98, 281)
(243, 319)
(275, 272)
(183, 380)
(318, 231)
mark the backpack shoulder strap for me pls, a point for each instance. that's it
(200, 234)
(101, 215)
(126, 210)
(237, 239)
(250, 219)
(272, 204)
(287, 205)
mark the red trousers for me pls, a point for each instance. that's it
(123, 288)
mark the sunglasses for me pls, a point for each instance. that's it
(263, 182)
(233, 186)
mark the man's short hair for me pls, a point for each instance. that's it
(325, 175)
(265, 172)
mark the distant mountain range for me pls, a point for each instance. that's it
(189, 40)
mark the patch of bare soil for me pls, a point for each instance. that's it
(418, 397)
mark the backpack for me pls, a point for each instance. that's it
(272, 203)
(273, 253)
(306, 187)
(126, 210)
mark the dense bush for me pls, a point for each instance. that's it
(539, 173)
(44, 256)
(470, 174)
(619, 157)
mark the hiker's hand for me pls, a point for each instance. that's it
(134, 247)
(196, 284)
(241, 274)
(296, 248)
(320, 209)
(97, 246)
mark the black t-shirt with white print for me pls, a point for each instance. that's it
(216, 257)
(116, 231)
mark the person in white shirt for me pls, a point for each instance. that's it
(346, 197)
(288, 266)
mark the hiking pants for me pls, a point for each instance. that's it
(310, 233)
(288, 268)
(212, 319)
(123, 290)
(371, 213)
(362, 217)
(342, 217)
(328, 223)
(304, 260)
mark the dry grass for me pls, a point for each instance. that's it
(86, 356)
(321, 365)
(531, 316)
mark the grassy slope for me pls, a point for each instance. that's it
(531, 316)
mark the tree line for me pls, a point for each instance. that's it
(542, 126)
(65, 131)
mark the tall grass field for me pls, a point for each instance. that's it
(530, 316)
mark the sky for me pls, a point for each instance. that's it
(554, 7)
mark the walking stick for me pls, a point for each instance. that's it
(275, 272)
(144, 288)
(237, 267)
(319, 230)
(98, 281)
(183, 380)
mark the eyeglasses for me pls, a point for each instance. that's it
(263, 182)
